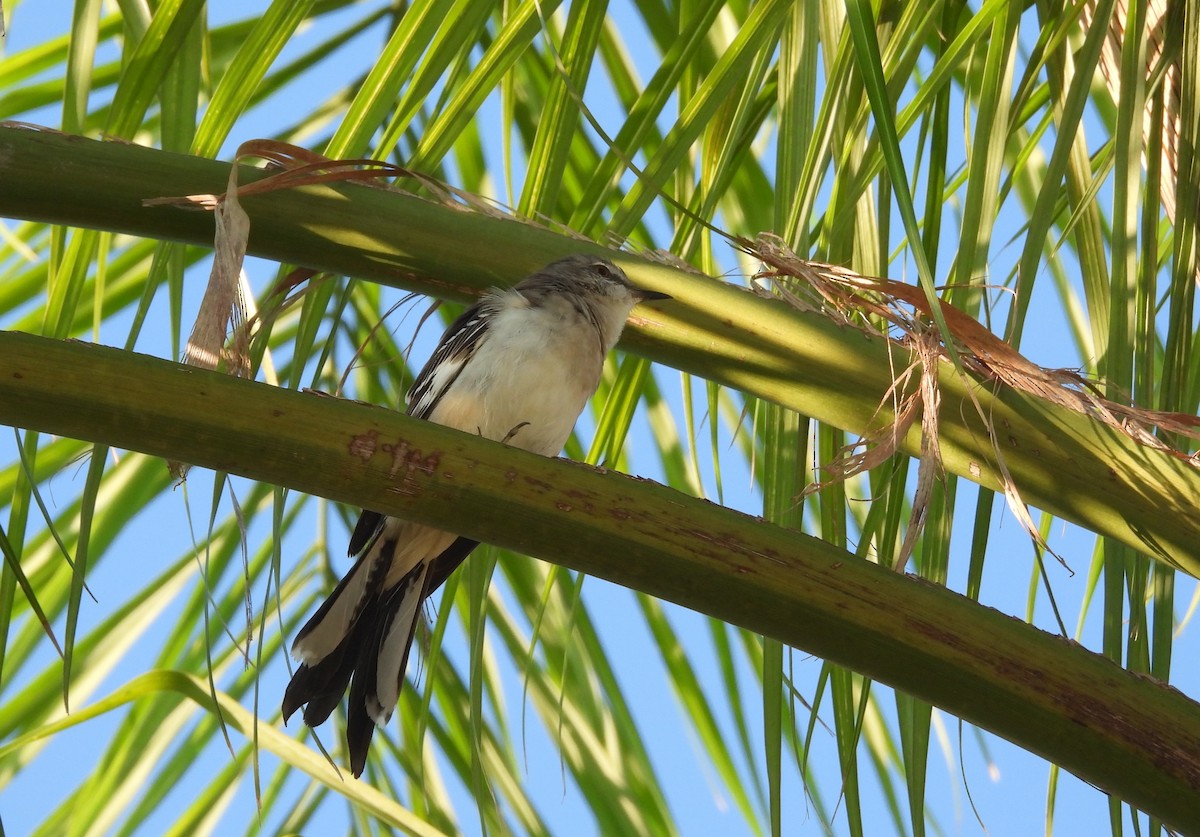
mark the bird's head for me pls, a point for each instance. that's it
(598, 284)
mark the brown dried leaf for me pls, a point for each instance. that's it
(981, 351)
(876, 446)
(850, 298)
(930, 468)
(223, 305)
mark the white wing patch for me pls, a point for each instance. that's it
(434, 383)
(455, 350)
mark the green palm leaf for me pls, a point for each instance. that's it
(961, 147)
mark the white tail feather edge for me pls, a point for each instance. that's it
(394, 649)
(315, 645)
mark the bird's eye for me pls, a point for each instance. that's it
(605, 271)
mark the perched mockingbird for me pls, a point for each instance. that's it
(518, 366)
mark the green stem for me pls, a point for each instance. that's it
(1128, 734)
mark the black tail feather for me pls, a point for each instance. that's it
(354, 663)
(360, 726)
(376, 572)
(321, 686)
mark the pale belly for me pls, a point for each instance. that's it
(529, 397)
(532, 398)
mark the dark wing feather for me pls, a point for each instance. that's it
(449, 560)
(370, 523)
(453, 353)
(457, 346)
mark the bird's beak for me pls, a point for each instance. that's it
(647, 296)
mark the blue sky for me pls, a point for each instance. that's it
(1006, 785)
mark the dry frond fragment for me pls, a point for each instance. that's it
(220, 334)
(981, 351)
(863, 302)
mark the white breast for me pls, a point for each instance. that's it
(529, 380)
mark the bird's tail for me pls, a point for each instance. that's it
(361, 636)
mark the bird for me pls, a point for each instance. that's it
(518, 366)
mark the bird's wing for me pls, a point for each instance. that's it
(464, 336)
(370, 524)
(452, 354)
